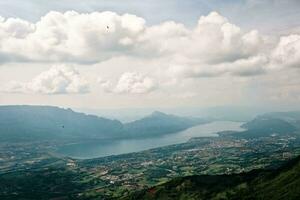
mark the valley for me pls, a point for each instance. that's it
(149, 100)
(35, 170)
(118, 176)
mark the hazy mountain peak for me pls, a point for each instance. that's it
(158, 113)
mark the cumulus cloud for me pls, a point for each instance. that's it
(219, 41)
(130, 83)
(218, 47)
(242, 67)
(287, 52)
(213, 47)
(105, 84)
(98, 36)
(70, 36)
(59, 79)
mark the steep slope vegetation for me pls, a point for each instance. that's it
(283, 183)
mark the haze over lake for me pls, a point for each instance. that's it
(101, 148)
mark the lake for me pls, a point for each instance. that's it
(100, 148)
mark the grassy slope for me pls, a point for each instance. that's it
(283, 183)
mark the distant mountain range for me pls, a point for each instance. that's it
(279, 123)
(158, 123)
(282, 183)
(27, 123)
(291, 117)
(23, 123)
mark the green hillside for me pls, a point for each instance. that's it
(283, 183)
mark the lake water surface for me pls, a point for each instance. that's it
(100, 148)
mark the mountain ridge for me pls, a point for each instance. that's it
(24, 122)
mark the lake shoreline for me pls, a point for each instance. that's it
(90, 149)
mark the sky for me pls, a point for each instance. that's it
(131, 53)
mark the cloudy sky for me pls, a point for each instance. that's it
(132, 53)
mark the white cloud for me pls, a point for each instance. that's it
(130, 83)
(287, 52)
(98, 36)
(217, 47)
(105, 84)
(71, 36)
(215, 40)
(59, 79)
(214, 47)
